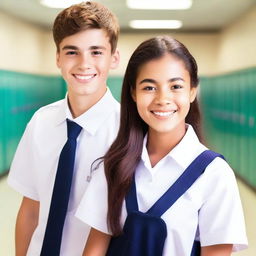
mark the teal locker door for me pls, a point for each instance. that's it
(2, 125)
(220, 113)
(21, 95)
(252, 129)
(237, 120)
(243, 131)
(115, 86)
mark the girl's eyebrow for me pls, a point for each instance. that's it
(149, 80)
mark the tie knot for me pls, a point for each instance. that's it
(73, 129)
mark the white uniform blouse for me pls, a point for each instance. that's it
(35, 163)
(215, 195)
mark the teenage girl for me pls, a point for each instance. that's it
(159, 137)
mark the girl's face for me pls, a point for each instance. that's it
(163, 94)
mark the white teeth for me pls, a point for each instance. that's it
(164, 113)
(84, 77)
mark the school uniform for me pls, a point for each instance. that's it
(34, 167)
(210, 208)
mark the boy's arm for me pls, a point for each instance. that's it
(97, 243)
(27, 220)
(219, 249)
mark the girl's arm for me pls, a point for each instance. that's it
(97, 243)
(217, 250)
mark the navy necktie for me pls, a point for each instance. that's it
(60, 195)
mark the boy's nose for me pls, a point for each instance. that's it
(84, 62)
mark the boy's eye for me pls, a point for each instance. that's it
(71, 53)
(97, 53)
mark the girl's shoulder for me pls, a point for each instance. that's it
(218, 180)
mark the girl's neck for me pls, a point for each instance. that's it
(160, 144)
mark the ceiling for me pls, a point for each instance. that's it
(204, 15)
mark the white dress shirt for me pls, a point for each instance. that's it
(214, 195)
(35, 163)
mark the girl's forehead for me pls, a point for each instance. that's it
(166, 64)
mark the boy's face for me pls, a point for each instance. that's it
(84, 60)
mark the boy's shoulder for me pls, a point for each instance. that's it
(52, 106)
(49, 113)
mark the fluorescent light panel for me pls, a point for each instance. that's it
(59, 3)
(156, 24)
(159, 4)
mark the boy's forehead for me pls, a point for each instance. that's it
(87, 39)
(74, 47)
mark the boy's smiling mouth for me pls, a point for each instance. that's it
(84, 77)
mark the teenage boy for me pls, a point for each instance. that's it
(86, 37)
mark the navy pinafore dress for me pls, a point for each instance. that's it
(144, 234)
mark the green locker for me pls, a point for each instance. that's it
(2, 129)
(115, 85)
(21, 95)
(252, 128)
(228, 106)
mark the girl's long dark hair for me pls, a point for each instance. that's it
(124, 154)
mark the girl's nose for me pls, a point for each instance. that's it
(163, 98)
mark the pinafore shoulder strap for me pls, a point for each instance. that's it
(180, 186)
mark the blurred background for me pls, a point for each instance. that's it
(221, 35)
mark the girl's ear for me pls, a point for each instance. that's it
(193, 93)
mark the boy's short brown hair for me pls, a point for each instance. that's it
(83, 16)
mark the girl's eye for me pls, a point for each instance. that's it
(149, 88)
(176, 86)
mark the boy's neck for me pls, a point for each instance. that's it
(78, 105)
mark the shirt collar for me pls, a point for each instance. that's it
(61, 115)
(144, 154)
(94, 117)
(182, 153)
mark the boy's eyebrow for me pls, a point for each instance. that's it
(70, 47)
(149, 80)
(73, 47)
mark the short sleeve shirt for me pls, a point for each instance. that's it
(209, 211)
(35, 163)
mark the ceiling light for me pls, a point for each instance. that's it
(155, 24)
(159, 4)
(59, 3)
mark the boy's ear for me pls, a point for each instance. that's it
(193, 94)
(115, 59)
(58, 59)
